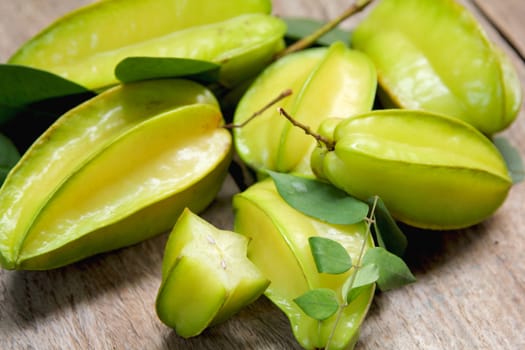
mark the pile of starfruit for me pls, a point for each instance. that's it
(396, 127)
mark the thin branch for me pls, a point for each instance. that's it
(344, 304)
(330, 145)
(281, 96)
(309, 40)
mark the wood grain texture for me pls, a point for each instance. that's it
(469, 294)
(507, 16)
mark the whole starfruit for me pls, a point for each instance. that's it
(113, 171)
(325, 82)
(206, 276)
(279, 248)
(433, 55)
(86, 45)
(432, 171)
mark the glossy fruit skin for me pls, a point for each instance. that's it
(433, 55)
(86, 45)
(279, 247)
(206, 276)
(431, 171)
(122, 165)
(325, 82)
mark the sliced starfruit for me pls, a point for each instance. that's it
(86, 45)
(112, 172)
(206, 276)
(432, 171)
(433, 55)
(326, 82)
(280, 249)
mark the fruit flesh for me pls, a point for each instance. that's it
(206, 276)
(431, 171)
(157, 159)
(342, 84)
(344, 80)
(412, 42)
(263, 216)
(217, 42)
(186, 304)
(73, 140)
(106, 25)
(251, 140)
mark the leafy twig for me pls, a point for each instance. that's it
(369, 220)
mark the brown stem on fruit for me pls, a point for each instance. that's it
(281, 96)
(330, 145)
(309, 40)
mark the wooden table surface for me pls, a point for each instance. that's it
(470, 292)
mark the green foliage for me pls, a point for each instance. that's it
(364, 276)
(31, 100)
(329, 256)
(133, 69)
(388, 233)
(319, 304)
(8, 157)
(319, 199)
(393, 272)
(21, 86)
(376, 265)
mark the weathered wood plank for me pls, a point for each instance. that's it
(23, 19)
(507, 16)
(469, 293)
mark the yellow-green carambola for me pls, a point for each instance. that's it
(111, 172)
(325, 82)
(279, 247)
(431, 171)
(86, 45)
(433, 55)
(206, 276)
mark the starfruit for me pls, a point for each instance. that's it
(86, 45)
(206, 276)
(433, 55)
(325, 82)
(279, 248)
(111, 172)
(432, 171)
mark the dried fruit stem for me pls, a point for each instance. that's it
(307, 41)
(281, 96)
(330, 145)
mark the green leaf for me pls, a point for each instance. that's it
(21, 86)
(319, 199)
(329, 256)
(393, 272)
(9, 156)
(388, 233)
(512, 158)
(354, 293)
(365, 276)
(143, 68)
(319, 304)
(298, 28)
